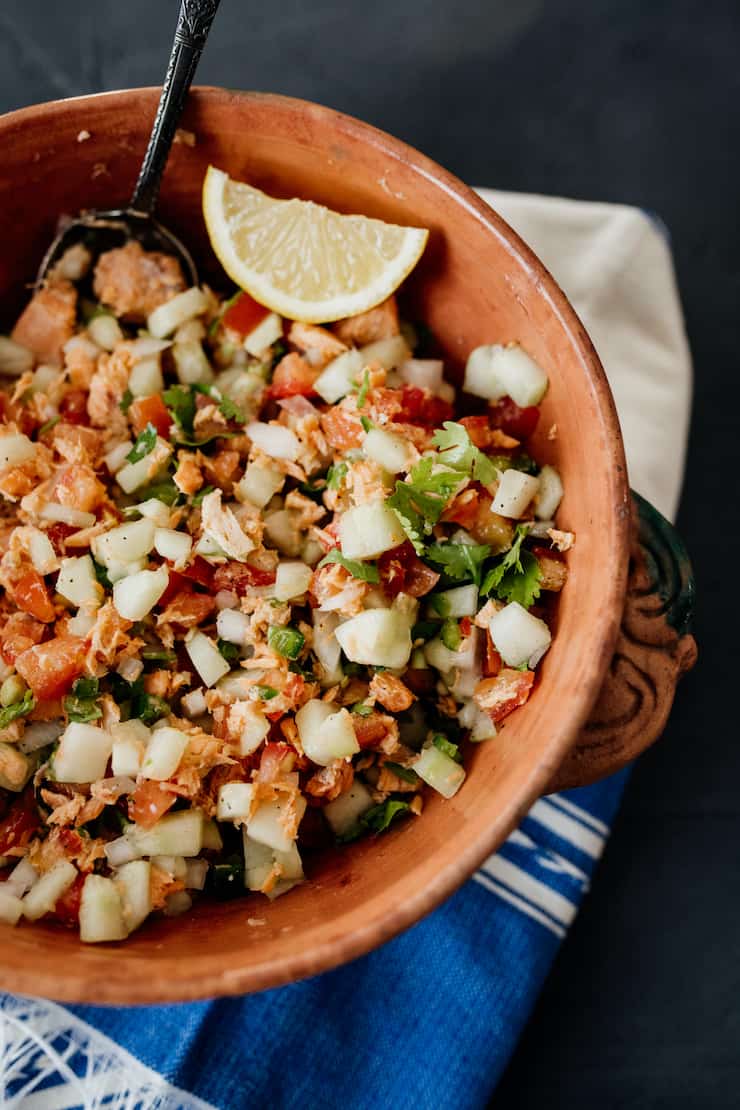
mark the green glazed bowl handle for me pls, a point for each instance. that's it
(654, 649)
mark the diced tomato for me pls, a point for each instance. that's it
(515, 421)
(343, 429)
(67, 909)
(149, 802)
(500, 696)
(492, 661)
(418, 406)
(73, 407)
(293, 377)
(19, 633)
(222, 468)
(198, 571)
(369, 730)
(244, 314)
(189, 608)
(20, 822)
(58, 533)
(466, 626)
(49, 710)
(150, 410)
(478, 428)
(402, 571)
(276, 760)
(30, 594)
(239, 577)
(51, 668)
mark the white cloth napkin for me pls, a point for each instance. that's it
(615, 265)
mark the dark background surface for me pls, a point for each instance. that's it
(635, 101)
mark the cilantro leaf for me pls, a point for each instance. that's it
(367, 424)
(18, 709)
(517, 576)
(446, 746)
(286, 641)
(126, 401)
(460, 561)
(362, 392)
(266, 693)
(424, 630)
(145, 443)
(420, 501)
(335, 475)
(401, 772)
(197, 498)
(229, 651)
(181, 402)
(231, 411)
(164, 490)
(457, 450)
(361, 709)
(366, 572)
(378, 818)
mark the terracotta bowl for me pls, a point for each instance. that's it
(477, 283)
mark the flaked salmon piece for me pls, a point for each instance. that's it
(78, 444)
(318, 344)
(133, 282)
(343, 429)
(77, 486)
(48, 322)
(336, 589)
(390, 691)
(329, 782)
(165, 684)
(221, 468)
(109, 640)
(161, 885)
(365, 481)
(20, 481)
(188, 477)
(389, 781)
(107, 387)
(306, 512)
(380, 322)
(563, 541)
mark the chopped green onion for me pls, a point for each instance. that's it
(286, 641)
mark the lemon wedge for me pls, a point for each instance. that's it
(303, 260)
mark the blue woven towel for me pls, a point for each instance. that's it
(430, 1019)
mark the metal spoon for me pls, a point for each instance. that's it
(102, 230)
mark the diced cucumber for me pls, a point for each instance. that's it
(366, 531)
(439, 771)
(519, 637)
(134, 885)
(11, 907)
(178, 834)
(235, 801)
(391, 451)
(461, 601)
(376, 637)
(388, 352)
(206, 658)
(163, 754)
(136, 595)
(339, 376)
(345, 811)
(76, 581)
(258, 862)
(549, 495)
(211, 836)
(326, 732)
(267, 332)
(83, 753)
(101, 911)
(292, 579)
(494, 372)
(259, 485)
(44, 894)
(266, 825)
(514, 493)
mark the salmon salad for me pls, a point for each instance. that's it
(264, 585)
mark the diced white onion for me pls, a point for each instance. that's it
(193, 704)
(173, 865)
(339, 376)
(232, 625)
(14, 359)
(259, 485)
(11, 907)
(549, 495)
(173, 545)
(163, 754)
(76, 581)
(234, 801)
(191, 363)
(127, 755)
(255, 728)
(41, 550)
(83, 753)
(170, 315)
(514, 493)
(326, 732)
(120, 851)
(146, 346)
(267, 332)
(117, 570)
(23, 876)
(101, 911)
(366, 531)
(274, 439)
(494, 372)
(65, 514)
(388, 352)
(292, 579)
(135, 596)
(345, 811)
(116, 457)
(439, 771)
(105, 331)
(377, 638)
(146, 377)
(15, 450)
(425, 373)
(155, 510)
(519, 637)
(391, 451)
(206, 658)
(38, 734)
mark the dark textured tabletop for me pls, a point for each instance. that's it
(620, 100)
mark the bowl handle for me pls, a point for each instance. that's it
(654, 648)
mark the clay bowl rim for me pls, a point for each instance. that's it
(205, 978)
